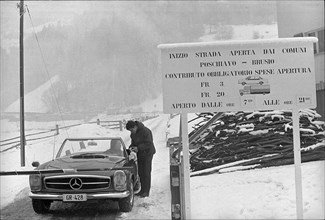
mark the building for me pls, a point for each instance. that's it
(306, 19)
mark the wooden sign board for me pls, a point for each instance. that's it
(238, 75)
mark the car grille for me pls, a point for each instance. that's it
(77, 182)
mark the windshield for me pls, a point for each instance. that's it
(92, 148)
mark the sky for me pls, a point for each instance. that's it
(267, 193)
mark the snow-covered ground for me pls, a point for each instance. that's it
(245, 32)
(33, 98)
(267, 193)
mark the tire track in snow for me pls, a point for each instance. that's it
(21, 208)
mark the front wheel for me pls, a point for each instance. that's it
(126, 204)
(41, 206)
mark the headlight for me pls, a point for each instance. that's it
(119, 180)
(35, 182)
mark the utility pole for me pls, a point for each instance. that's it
(21, 52)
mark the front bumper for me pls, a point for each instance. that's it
(90, 196)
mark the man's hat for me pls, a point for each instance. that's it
(130, 124)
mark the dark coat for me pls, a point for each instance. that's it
(143, 140)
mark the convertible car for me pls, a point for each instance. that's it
(86, 169)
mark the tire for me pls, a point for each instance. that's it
(41, 206)
(126, 204)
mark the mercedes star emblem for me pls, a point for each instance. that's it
(75, 183)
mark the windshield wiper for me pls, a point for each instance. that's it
(123, 159)
(88, 155)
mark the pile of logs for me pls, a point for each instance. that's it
(261, 139)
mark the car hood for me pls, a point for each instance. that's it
(71, 163)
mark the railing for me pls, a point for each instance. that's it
(112, 124)
(15, 141)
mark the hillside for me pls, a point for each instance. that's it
(106, 56)
(42, 100)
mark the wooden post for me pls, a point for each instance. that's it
(22, 110)
(297, 161)
(185, 168)
(57, 129)
(121, 125)
(174, 169)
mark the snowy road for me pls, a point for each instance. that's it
(158, 204)
(22, 209)
(267, 193)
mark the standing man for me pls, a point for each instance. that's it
(142, 143)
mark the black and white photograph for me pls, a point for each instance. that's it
(162, 109)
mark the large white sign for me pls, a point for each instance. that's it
(238, 75)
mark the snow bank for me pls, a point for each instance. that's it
(267, 193)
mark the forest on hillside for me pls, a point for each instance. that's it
(108, 58)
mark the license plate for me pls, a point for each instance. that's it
(74, 197)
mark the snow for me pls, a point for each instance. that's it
(258, 132)
(237, 168)
(278, 41)
(288, 127)
(307, 130)
(310, 113)
(225, 166)
(280, 117)
(32, 99)
(322, 144)
(233, 193)
(267, 193)
(241, 32)
(245, 128)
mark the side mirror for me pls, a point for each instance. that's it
(35, 164)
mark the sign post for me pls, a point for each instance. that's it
(272, 74)
(185, 168)
(297, 160)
